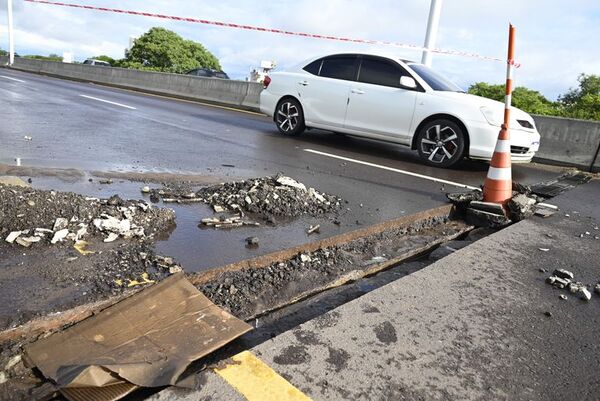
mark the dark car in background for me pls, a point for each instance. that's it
(207, 73)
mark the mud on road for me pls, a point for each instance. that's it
(38, 276)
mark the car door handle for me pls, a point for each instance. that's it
(357, 91)
(303, 83)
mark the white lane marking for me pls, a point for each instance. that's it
(12, 79)
(108, 101)
(425, 177)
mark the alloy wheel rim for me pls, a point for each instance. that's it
(439, 143)
(287, 117)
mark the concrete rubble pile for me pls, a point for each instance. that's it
(562, 279)
(267, 197)
(522, 205)
(48, 217)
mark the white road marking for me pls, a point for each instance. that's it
(12, 79)
(108, 101)
(425, 177)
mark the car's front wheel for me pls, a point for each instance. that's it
(441, 143)
(289, 117)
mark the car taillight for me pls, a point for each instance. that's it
(266, 81)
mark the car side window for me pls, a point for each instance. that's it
(339, 67)
(382, 72)
(314, 67)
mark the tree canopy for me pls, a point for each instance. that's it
(162, 50)
(3, 52)
(582, 102)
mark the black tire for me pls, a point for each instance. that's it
(441, 143)
(289, 117)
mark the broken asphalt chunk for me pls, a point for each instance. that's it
(480, 218)
(13, 236)
(564, 274)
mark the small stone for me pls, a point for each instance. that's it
(305, 258)
(564, 274)
(12, 362)
(544, 249)
(252, 240)
(248, 200)
(562, 296)
(542, 270)
(232, 290)
(111, 237)
(548, 313)
(27, 241)
(13, 236)
(314, 229)
(143, 255)
(22, 242)
(175, 269)
(31, 203)
(3, 378)
(597, 288)
(550, 280)
(60, 223)
(145, 189)
(59, 236)
(107, 181)
(584, 294)
(115, 200)
(218, 209)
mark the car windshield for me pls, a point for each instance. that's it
(435, 80)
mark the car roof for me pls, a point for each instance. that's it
(365, 53)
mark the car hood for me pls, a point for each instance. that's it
(478, 101)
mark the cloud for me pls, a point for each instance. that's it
(555, 39)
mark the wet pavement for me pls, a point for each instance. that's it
(165, 136)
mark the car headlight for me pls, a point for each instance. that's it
(491, 116)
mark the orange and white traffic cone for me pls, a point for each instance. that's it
(498, 184)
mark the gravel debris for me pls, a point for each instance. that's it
(266, 197)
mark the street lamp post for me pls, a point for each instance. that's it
(432, 27)
(11, 43)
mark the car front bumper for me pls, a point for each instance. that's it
(483, 137)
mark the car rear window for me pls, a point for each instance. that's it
(380, 72)
(339, 67)
(314, 67)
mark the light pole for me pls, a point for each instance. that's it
(11, 43)
(432, 27)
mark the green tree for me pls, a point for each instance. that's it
(582, 102)
(3, 52)
(51, 57)
(162, 50)
(523, 98)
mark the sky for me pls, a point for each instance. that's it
(556, 39)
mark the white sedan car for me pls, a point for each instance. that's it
(394, 100)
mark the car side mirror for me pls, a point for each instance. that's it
(408, 82)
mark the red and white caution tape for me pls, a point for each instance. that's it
(270, 30)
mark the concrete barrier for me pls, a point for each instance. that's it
(241, 94)
(569, 141)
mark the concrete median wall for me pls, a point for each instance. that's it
(240, 94)
(569, 141)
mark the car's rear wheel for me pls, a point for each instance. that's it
(441, 143)
(289, 117)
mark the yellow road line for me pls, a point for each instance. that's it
(256, 381)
